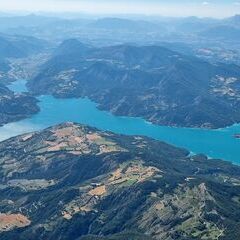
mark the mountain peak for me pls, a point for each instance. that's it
(71, 47)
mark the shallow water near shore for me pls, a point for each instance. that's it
(214, 143)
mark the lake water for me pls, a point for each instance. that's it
(214, 143)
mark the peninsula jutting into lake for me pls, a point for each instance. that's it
(82, 110)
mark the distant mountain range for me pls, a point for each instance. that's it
(31, 20)
(119, 24)
(235, 20)
(106, 30)
(19, 46)
(158, 84)
(223, 32)
(72, 182)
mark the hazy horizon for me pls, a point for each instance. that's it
(171, 8)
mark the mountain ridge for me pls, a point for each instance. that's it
(176, 90)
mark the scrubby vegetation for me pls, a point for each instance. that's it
(76, 182)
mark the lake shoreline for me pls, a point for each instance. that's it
(217, 143)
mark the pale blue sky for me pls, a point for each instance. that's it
(202, 8)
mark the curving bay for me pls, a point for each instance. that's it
(214, 143)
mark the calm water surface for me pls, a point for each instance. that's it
(214, 143)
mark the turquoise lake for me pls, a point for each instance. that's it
(214, 143)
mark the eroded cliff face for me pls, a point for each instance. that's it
(76, 182)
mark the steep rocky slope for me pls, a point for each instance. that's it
(160, 85)
(75, 182)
